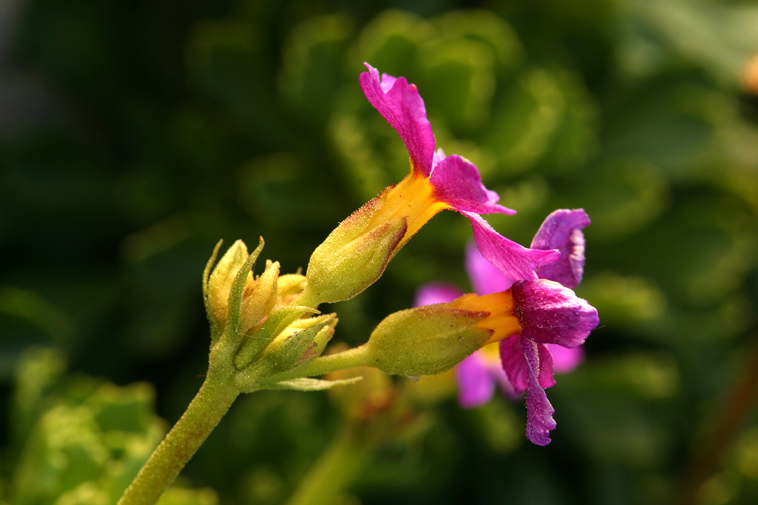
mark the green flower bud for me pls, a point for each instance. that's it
(236, 302)
(259, 297)
(302, 340)
(352, 257)
(425, 340)
(277, 321)
(221, 280)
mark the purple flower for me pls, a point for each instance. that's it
(438, 182)
(554, 323)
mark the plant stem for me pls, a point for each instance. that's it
(357, 356)
(337, 468)
(198, 421)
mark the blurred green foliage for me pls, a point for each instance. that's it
(168, 125)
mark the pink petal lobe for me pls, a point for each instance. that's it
(539, 417)
(457, 182)
(564, 359)
(552, 314)
(545, 378)
(436, 292)
(513, 260)
(402, 106)
(485, 277)
(514, 364)
(475, 383)
(562, 230)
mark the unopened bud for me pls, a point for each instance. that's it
(291, 345)
(353, 256)
(259, 297)
(222, 278)
(426, 340)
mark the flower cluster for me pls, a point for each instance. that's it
(271, 328)
(535, 305)
(267, 331)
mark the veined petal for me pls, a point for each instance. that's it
(514, 363)
(565, 360)
(539, 420)
(514, 260)
(552, 314)
(387, 81)
(457, 182)
(437, 292)
(475, 383)
(562, 230)
(402, 106)
(545, 377)
(515, 366)
(485, 277)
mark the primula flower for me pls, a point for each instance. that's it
(437, 182)
(554, 323)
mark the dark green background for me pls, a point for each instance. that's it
(136, 134)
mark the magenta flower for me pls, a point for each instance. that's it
(546, 313)
(554, 323)
(438, 182)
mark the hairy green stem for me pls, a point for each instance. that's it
(198, 421)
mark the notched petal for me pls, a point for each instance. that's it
(402, 106)
(562, 230)
(514, 260)
(485, 277)
(457, 182)
(539, 420)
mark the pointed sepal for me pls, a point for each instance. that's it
(311, 384)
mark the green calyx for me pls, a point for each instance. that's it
(425, 340)
(351, 258)
(256, 332)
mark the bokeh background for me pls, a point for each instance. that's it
(134, 134)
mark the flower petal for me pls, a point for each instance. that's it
(515, 261)
(562, 230)
(552, 314)
(514, 363)
(439, 155)
(545, 378)
(565, 360)
(401, 105)
(539, 411)
(475, 383)
(436, 292)
(457, 182)
(485, 277)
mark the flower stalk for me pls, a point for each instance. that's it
(185, 438)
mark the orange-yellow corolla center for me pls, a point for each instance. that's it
(413, 199)
(502, 320)
(490, 353)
